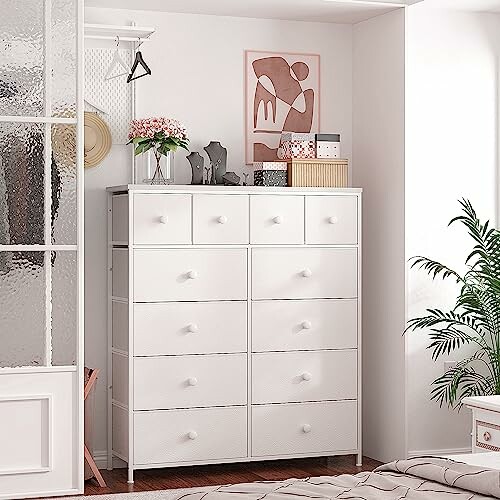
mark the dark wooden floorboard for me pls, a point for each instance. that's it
(207, 475)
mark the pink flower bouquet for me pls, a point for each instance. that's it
(162, 135)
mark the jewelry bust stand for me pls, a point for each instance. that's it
(197, 162)
(218, 161)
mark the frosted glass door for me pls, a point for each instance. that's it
(41, 372)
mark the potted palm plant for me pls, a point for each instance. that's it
(473, 321)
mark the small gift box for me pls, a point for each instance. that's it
(270, 165)
(276, 178)
(294, 145)
(327, 145)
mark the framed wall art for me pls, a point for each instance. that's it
(282, 95)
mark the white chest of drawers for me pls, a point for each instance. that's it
(234, 324)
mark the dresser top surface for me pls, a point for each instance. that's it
(483, 402)
(146, 188)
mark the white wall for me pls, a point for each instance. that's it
(197, 65)
(378, 159)
(452, 113)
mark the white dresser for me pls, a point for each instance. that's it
(234, 324)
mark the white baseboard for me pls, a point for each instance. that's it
(426, 453)
(101, 460)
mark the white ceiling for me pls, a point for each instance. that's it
(333, 11)
(467, 5)
(337, 11)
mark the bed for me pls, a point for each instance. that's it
(420, 478)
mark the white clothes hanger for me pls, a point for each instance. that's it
(96, 106)
(117, 61)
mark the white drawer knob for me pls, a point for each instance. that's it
(222, 219)
(306, 325)
(487, 436)
(333, 220)
(306, 428)
(192, 381)
(163, 219)
(278, 219)
(306, 376)
(192, 275)
(192, 328)
(307, 273)
(192, 434)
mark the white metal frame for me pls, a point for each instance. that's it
(48, 120)
(129, 246)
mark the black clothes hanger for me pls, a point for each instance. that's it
(138, 60)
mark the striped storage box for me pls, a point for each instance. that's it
(331, 172)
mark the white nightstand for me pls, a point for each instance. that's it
(485, 422)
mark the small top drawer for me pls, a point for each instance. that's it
(276, 219)
(220, 219)
(162, 219)
(487, 436)
(332, 220)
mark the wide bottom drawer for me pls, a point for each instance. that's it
(302, 428)
(190, 435)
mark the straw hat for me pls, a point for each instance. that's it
(97, 140)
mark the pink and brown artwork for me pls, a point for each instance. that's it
(282, 95)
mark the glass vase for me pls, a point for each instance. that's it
(153, 170)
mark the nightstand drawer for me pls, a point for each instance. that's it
(167, 382)
(487, 435)
(304, 428)
(220, 219)
(190, 274)
(162, 219)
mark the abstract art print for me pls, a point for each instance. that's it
(282, 95)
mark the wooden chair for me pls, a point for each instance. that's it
(93, 374)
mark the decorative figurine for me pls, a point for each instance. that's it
(231, 179)
(197, 163)
(245, 177)
(218, 161)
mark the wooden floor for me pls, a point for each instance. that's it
(188, 477)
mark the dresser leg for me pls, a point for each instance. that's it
(359, 460)
(130, 475)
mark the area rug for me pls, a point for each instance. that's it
(144, 495)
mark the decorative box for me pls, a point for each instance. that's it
(318, 173)
(293, 145)
(270, 178)
(270, 165)
(327, 145)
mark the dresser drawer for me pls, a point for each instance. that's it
(277, 219)
(304, 273)
(161, 219)
(190, 435)
(190, 381)
(291, 429)
(190, 274)
(190, 328)
(332, 220)
(487, 435)
(220, 219)
(285, 377)
(287, 325)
